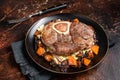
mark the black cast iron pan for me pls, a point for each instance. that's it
(100, 35)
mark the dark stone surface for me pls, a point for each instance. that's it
(104, 12)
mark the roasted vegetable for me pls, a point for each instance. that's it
(40, 51)
(76, 20)
(90, 54)
(72, 61)
(86, 61)
(80, 54)
(95, 49)
(37, 33)
(48, 57)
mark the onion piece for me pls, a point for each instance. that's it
(40, 28)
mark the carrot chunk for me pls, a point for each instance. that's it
(95, 49)
(72, 61)
(40, 51)
(48, 57)
(86, 61)
(75, 20)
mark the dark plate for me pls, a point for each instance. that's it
(100, 34)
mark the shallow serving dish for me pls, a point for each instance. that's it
(100, 35)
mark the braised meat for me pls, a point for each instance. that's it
(65, 37)
(82, 35)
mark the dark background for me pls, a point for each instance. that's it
(104, 12)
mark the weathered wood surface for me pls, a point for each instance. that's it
(105, 12)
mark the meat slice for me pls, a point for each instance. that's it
(82, 30)
(64, 48)
(65, 37)
(82, 35)
(49, 36)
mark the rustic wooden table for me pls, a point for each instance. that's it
(105, 12)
